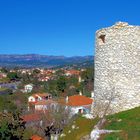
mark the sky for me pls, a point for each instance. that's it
(59, 27)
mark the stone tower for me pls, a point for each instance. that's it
(117, 66)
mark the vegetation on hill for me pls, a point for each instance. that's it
(127, 121)
(4, 80)
(11, 126)
(2, 88)
(82, 127)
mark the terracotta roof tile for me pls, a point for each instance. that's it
(31, 117)
(40, 94)
(36, 137)
(73, 72)
(77, 100)
(45, 102)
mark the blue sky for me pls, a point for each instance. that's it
(59, 27)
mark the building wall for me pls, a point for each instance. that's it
(117, 66)
(85, 109)
(28, 88)
(31, 99)
(41, 107)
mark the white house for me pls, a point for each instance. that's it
(72, 72)
(79, 79)
(44, 105)
(3, 75)
(78, 104)
(44, 79)
(28, 88)
(39, 97)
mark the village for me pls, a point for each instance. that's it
(39, 108)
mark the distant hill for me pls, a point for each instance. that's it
(36, 60)
(86, 64)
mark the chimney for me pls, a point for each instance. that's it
(80, 93)
(67, 99)
(79, 79)
(92, 94)
(28, 108)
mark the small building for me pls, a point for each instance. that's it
(39, 97)
(39, 101)
(3, 75)
(36, 137)
(45, 105)
(78, 104)
(72, 72)
(32, 119)
(44, 79)
(28, 88)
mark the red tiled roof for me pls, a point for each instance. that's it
(74, 72)
(77, 100)
(32, 103)
(40, 94)
(31, 117)
(36, 137)
(45, 102)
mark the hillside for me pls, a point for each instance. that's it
(86, 64)
(36, 60)
(83, 127)
(127, 121)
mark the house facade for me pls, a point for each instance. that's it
(45, 105)
(39, 97)
(39, 101)
(28, 88)
(78, 104)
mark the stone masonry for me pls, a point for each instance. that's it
(117, 66)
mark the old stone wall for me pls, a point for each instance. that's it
(117, 66)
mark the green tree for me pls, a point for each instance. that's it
(12, 76)
(36, 71)
(11, 126)
(88, 75)
(7, 104)
(59, 72)
(61, 84)
(26, 78)
(4, 70)
(73, 80)
(20, 101)
(51, 87)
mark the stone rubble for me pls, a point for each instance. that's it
(95, 134)
(88, 116)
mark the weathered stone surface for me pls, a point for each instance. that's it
(117, 65)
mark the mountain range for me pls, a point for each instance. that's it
(36, 60)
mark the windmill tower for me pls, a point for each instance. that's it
(117, 66)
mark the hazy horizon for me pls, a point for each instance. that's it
(48, 55)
